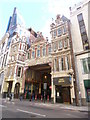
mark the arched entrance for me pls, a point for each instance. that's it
(16, 90)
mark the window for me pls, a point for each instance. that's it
(49, 50)
(64, 30)
(33, 53)
(54, 33)
(67, 63)
(59, 31)
(19, 72)
(83, 32)
(28, 55)
(38, 51)
(55, 64)
(65, 43)
(60, 44)
(86, 65)
(80, 17)
(44, 51)
(62, 64)
(54, 47)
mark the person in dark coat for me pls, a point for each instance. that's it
(30, 95)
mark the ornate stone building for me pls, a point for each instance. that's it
(38, 66)
(50, 63)
(16, 46)
(62, 72)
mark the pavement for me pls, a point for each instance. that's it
(56, 105)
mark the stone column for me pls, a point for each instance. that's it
(39, 88)
(72, 90)
(23, 80)
(54, 92)
(32, 88)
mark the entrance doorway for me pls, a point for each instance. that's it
(63, 94)
(10, 87)
(35, 77)
(16, 90)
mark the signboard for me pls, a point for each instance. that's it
(45, 86)
(61, 81)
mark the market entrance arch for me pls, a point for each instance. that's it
(35, 77)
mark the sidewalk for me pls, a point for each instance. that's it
(56, 105)
(65, 106)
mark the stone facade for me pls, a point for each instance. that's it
(81, 46)
(14, 55)
(54, 58)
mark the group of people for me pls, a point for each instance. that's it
(30, 96)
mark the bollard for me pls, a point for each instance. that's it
(48, 98)
(41, 98)
(35, 97)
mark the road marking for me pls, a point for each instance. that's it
(75, 116)
(32, 113)
(3, 106)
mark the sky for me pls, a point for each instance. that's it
(37, 14)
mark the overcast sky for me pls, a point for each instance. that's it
(37, 14)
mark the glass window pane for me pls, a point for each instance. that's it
(84, 66)
(89, 64)
(80, 17)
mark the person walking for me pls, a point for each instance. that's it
(30, 95)
(10, 96)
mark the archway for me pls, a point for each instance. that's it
(16, 90)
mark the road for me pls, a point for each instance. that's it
(26, 109)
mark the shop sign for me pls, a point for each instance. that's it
(45, 86)
(61, 80)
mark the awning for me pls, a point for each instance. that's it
(87, 83)
(62, 81)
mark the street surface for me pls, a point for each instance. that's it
(27, 109)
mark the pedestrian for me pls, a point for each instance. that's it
(10, 96)
(20, 97)
(30, 95)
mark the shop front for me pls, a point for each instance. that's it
(35, 79)
(87, 89)
(62, 89)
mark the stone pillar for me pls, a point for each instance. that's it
(72, 90)
(39, 88)
(23, 79)
(54, 92)
(32, 88)
(83, 96)
(13, 86)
